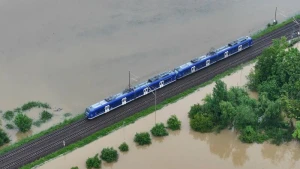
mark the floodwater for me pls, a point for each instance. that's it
(185, 148)
(72, 54)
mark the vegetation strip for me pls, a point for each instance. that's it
(132, 118)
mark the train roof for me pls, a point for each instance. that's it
(164, 74)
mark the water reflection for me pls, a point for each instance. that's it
(225, 145)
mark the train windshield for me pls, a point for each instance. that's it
(87, 112)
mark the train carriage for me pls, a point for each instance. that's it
(168, 77)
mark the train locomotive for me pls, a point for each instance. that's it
(168, 77)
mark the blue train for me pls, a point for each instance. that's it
(166, 78)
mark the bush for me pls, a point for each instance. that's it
(173, 123)
(23, 122)
(93, 162)
(109, 155)
(248, 135)
(37, 123)
(9, 126)
(201, 123)
(3, 138)
(8, 115)
(32, 104)
(75, 167)
(123, 147)
(142, 138)
(159, 130)
(45, 116)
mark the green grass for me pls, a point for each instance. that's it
(67, 114)
(272, 28)
(133, 118)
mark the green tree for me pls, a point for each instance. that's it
(201, 123)
(196, 108)
(248, 135)
(296, 133)
(109, 155)
(219, 94)
(245, 117)
(272, 115)
(23, 122)
(228, 113)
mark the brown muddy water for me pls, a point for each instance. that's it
(185, 148)
(72, 54)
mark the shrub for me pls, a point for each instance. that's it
(109, 155)
(37, 123)
(248, 135)
(32, 104)
(201, 123)
(75, 167)
(9, 126)
(123, 147)
(173, 123)
(8, 115)
(3, 138)
(93, 162)
(159, 130)
(45, 116)
(67, 114)
(142, 138)
(23, 122)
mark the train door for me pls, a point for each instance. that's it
(161, 84)
(146, 91)
(240, 48)
(124, 101)
(106, 109)
(193, 69)
(207, 62)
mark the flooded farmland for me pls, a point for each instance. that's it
(186, 148)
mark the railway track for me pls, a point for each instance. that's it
(78, 130)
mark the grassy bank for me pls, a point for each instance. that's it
(272, 28)
(128, 120)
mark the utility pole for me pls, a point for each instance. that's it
(275, 21)
(129, 80)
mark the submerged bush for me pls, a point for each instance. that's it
(45, 116)
(142, 138)
(8, 115)
(123, 147)
(9, 126)
(3, 138)
(159, 130)
(75, 167)
(173, 123)
(109, 155)
(32, 104)
(93, 162)
(23, 122)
